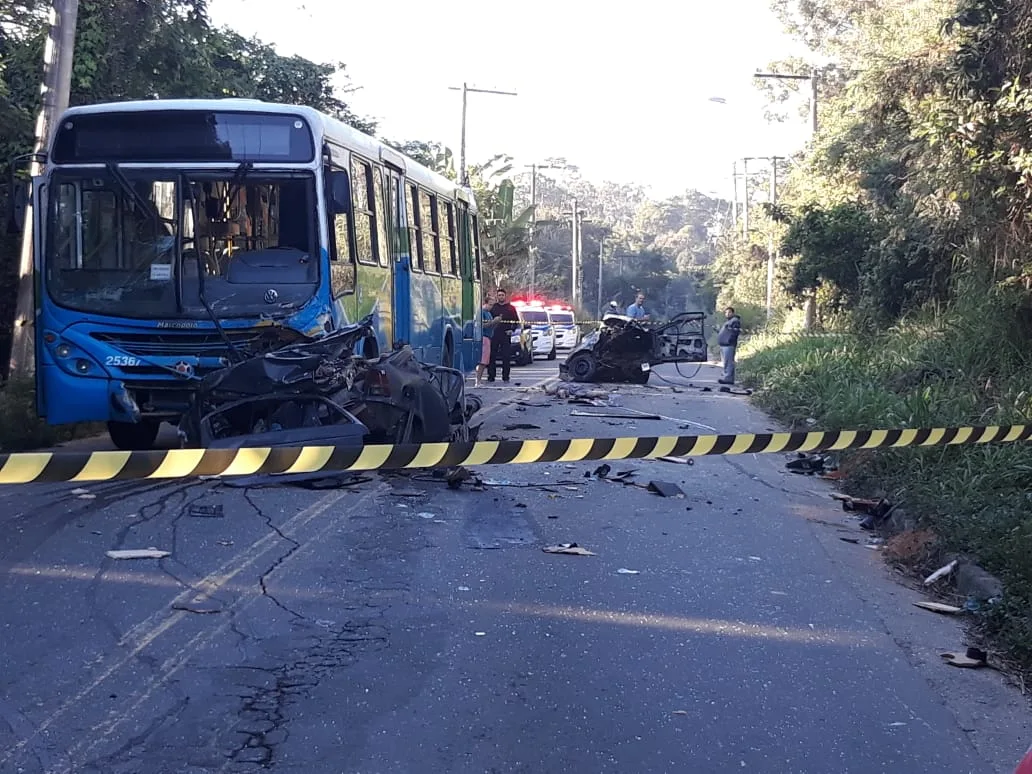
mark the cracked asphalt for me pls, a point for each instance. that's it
(399, 626)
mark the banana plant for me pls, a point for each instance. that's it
(504, 233)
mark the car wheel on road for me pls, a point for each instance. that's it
(134, 436)
(552, 354)
(582, 366)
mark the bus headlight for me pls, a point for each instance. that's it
(62, 350)
(82, 366)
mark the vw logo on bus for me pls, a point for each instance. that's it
(271, 296)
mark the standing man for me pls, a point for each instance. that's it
(637, 309)
(505, 321)
(727, 339)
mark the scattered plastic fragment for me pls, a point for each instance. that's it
(939, 607)
(571, 549)
(138, 553)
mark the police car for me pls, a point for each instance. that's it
(567, 334)
(534, 317)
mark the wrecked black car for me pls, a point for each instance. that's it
(624, 349)
(321, 393)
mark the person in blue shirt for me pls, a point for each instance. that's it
(637, 309)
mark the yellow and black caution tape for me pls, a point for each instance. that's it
(185, 463)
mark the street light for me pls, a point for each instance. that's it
(812, 78)
(466, 89)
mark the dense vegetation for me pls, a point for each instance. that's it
(905, 225)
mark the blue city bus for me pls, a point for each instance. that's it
(173, 237)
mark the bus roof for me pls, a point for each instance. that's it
(324, 126)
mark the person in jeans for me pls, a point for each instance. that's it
(486, 323)
(727, 339)
(504, 322)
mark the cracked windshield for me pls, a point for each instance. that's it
(127, 244)
(561, 389)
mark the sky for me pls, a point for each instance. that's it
(623, 91)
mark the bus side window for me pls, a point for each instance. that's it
(474, 230)
(415, 236)
(381, 218)
(446, 218)
(342, 268)
(427, 221)
(365, 217)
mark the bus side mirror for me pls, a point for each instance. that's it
(340, 192)
(17, 203)
(19, 190)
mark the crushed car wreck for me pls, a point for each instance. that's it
(320, 392)
(624, 349)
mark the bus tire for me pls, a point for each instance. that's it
(134, 436)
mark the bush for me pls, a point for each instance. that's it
(963, 368)
(21, 429)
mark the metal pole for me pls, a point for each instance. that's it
(813, 100)
(601, 245)
(57, 82)
(533, 218)
(466, 89)
(463, 177)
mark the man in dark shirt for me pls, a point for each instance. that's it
(501, 335)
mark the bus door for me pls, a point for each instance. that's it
(39, 219)
(397, 228)
(467, 269)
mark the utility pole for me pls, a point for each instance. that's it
(575, 291)
(601, 245)
(734, 182)
(466, 89)
(812, 78)
(57, 83)
(745, 212)
(771, 249)
(533, 220)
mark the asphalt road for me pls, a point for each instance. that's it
(398, 626)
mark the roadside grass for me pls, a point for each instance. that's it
(22, 430)
(962, 368)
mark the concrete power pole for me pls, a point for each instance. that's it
(533, 221)
(57, 82)
(466, 89)
(533, 218)
(575, 254)
(745, 210)
(601, 245)
(734, 182)
(771, 249)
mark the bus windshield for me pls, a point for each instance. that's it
(161, 243)
(533, 315)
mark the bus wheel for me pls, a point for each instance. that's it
(134, 436)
